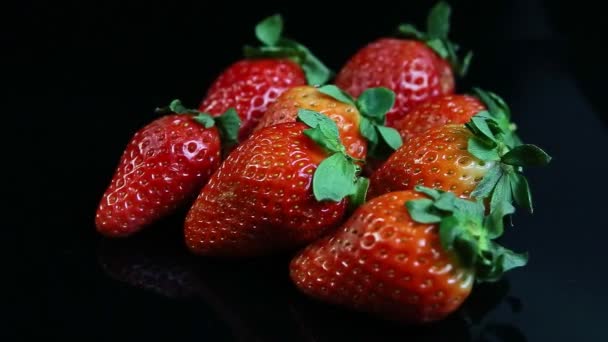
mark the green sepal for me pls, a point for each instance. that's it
(358, 197)
(269, 33)
(526, 155)
(488, 182)
(337, 176)
(337, 93)
(205, 119)
(374, 103)
(228, 125)
(482, 150)
(436, 37)
(520, 190)
(465, 231)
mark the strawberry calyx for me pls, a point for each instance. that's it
(494, 141)
(337, 176)
(465, 230)
(436, 37)
(269, 33)
(372, 104)
(228, 123)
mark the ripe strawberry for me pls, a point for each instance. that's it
(416, 70)
(440, 111)
(357, 121)
(278, 190)
(482, 159)
(414, 264)
(252, 84)
(163, 166)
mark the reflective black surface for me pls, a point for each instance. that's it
(99, 69)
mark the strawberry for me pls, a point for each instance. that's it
(282, 188)
(356, 119)
(250, 85)
(440, 111)
(482, 159)
(163, 166)
(415, 69)
(406, 256)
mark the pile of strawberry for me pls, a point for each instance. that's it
(276, 159)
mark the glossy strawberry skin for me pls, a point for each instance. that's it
(440, 111)
(163, 166)
(380, 261)
(409, 68)
(250, 86)
(437, 158)
(346, 117)
(260, 200)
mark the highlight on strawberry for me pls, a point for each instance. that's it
(252, 84)
(163, 167)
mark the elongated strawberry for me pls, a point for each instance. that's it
(283, 187)
(482, 159)
(406, 256)
(250, 85)
(358, 120)
(163, 166)
(416, 69)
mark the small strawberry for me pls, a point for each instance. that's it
(482, 159)
(415, 69)
(250, 85)
(282, 188)
(358, 120)
(440, 111)
(164, 165)
(406, 256)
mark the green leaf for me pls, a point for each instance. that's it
(449, 229)
(482, 150)
(410, 31)
(334, 178)
(390, 136)
(521, 190)
(268, 31)
(439, 46)
(358, 197)
(488, 101)
(495, 221)
(323, 130)
(337, 93)
(228, 125)
(465, 64)
(487, 184)
(177, 107)
(502, 193)
(422, 211)
(446, 202)
(438, 21)
(481, 124)
(272, 52)
(368, 131)
(204, 119)
(467, 249)
(375, 103)
(316, 72)
(432, 193)
(501, 104)
(510, 260)
(526, 155)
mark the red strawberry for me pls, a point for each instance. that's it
(251, 85)
(278, 190)
(482, 159)
(414, 264)
(416, 70)
(163, 166)
(440, 111)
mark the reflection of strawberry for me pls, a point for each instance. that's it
(414, 264)
(163, 166)
(416, 69)
(250, 85)
(282, 188)
(482, 159)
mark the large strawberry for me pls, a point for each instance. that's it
(482, 159)
(250, 85)
(164, 165)
(406, 256)
(359, 118)
(415, 69)
(283, 187)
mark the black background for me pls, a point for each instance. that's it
(81, 77)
